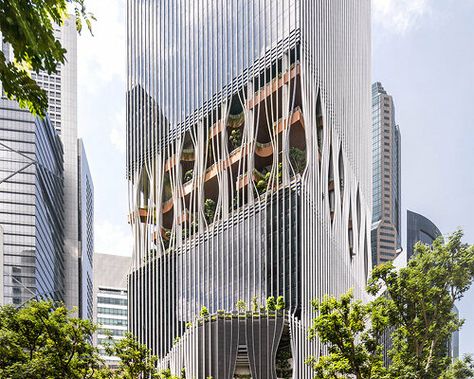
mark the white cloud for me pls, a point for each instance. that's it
(117, 133)
(102, 57)
(399, 16)
(113, 239)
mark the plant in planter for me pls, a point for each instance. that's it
(209, 210)
(235, 138)
(204, 312)
(271, 305)
(188, 175)
(255, 305)
(241, 306)
(297, 159)
(280, 304)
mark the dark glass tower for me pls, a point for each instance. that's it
(31, 206)
(249, 168)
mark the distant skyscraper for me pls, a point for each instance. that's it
(386, 181)
(31, 206)
(111, 304)
(86, 235)
(250, 176)
(61, 88)
(419, 229)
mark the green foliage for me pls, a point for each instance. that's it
(235, 138)
(241, 306)
(166, 374)
(297, 159)
(188, 175)
(209, 210)
(414, 305)
(28, 26)
(271, 305)
(136, 360)
(353, 349)
(42, 340)
(255, 305)
(460, 369)
(280, 304)
(420, 300)
(204, 312)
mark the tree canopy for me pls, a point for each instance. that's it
(412, 311)
(28, 26)
(42, 340)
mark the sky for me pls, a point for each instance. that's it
(423, 53)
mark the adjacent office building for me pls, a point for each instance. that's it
(386, 180)
(249, 166)
(75, 208)
(111, 304)
(419, 229)
(86, 234)
(31, 206)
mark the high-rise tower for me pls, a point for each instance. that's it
(77, 237)
(31, 207)
(249, 165)
(386, 150)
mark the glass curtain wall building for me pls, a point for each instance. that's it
(61, 88)
(386, 150)
(86, 234)
(31, 206)
(249, 166)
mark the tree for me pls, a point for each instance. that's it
(414, 305)
(42, 340)
(136, 360)
(460, 369)
(351, 330)
(419, 301)
(28, 26)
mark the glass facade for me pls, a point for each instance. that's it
(386, 178)
(31, 206)
(419, 229)
(86, 235)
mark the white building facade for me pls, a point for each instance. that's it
(249, 163)
(111, 302)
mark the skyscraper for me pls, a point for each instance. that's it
(61, 88)
(111, 304)
(249, 167)
(86, 234)
(419, 229)
(386, 181)
(31, 206)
